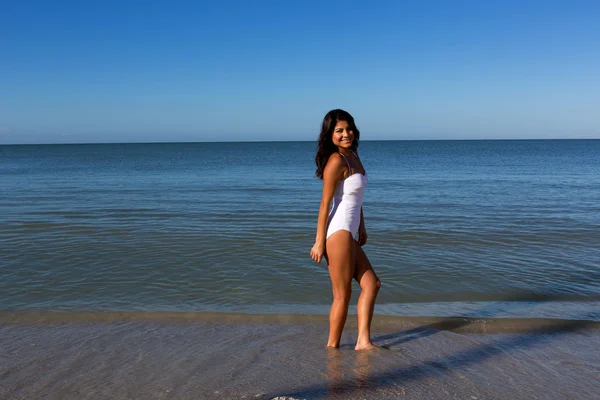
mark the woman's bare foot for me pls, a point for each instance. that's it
(366, 346)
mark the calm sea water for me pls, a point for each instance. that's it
(479, 228)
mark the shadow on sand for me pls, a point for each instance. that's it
(534, 335)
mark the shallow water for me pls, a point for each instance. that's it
(220, 356)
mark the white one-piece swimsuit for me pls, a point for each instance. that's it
(347, 202)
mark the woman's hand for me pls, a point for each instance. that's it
(362, 236)
(317, 251)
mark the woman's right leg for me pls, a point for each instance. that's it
(340, 257)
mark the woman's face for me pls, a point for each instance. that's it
(342, 135)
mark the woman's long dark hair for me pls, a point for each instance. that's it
(325, 146)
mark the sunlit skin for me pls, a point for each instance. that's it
(345, 256)
(343, 137)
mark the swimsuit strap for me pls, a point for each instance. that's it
(357, 157)
(347, 163)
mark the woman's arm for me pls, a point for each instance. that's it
(362, 231)
(333, 173)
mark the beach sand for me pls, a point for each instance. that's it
(45, 355)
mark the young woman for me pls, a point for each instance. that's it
(341, 229)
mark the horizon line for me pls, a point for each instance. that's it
(291, 141)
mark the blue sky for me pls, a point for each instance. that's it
(146, 71)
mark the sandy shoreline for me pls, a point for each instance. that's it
(183, 356)
(455, 324)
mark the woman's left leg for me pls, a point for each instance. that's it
(369, 284)
(340, 257)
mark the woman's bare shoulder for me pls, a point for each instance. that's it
(335, 161)
(335, 165)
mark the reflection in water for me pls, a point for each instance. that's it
(362, 368)
(335, 384)
(349, 372)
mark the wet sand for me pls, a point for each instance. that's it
(99, 355)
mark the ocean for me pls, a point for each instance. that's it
(102, 241)
(453, 226)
